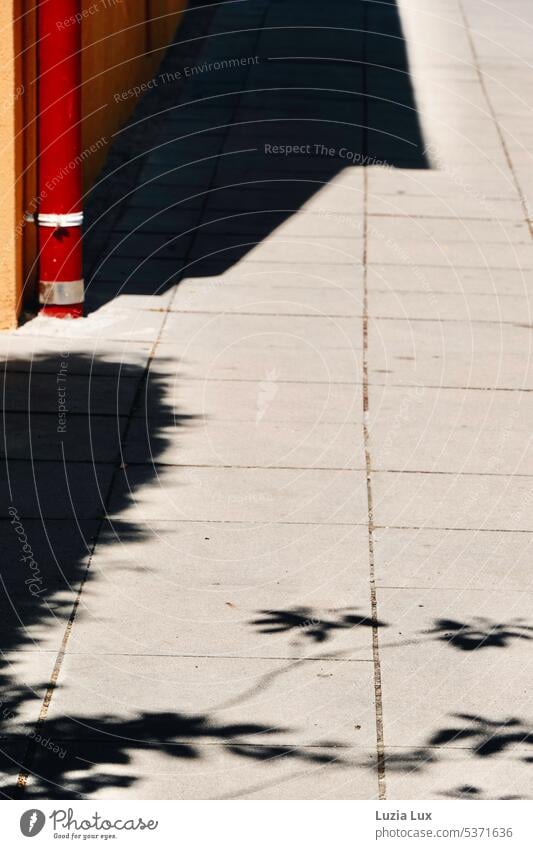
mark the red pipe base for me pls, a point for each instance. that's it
(60, 158)
(70, 311)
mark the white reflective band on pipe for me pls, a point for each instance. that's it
(55, 219)
(61, 294)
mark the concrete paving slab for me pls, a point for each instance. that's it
(481, 337)
(141, 275)
(34, 613)
(40, 489)
(283, 275)
(25, 678)
(438, 183)
(444, 451)
(465, 354)
(240, 444)
(480, 281)
(268, 130)
(35, 392)
(303, 557)
(143, 234)
(450, 229)
(332, 198)
(217, 772)
(299, 223)
(463, 690)
(249, 495)
(217, 333)
(418, 429)
(286, 600)
(298, 249)
(433, 252)
(119, 297)
(455, 206)
(44, 436)
(131, 627)
(262, 298)
(187, 151)
(456, 773)
(452, 307)
(266, 702)
(267, 400)
(494, 372)
(296, 362)
(505, 412)
(11, 757)
(490, 502)
(44, 355)
(157, 194)
(303, 593)
(490, 560)
(106, 324)
(185, 174)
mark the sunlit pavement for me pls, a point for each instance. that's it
(268, 508)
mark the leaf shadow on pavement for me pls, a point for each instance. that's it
(94, 746)
(310, 623)
(478, 736)
(480, 633)
(469, 791)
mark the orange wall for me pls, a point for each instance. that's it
(123, 42)
(10, 165)
(119, 51)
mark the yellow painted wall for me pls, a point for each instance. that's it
(10, 166)
(123, 42)
(120, 50)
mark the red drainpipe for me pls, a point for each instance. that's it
(59, 216)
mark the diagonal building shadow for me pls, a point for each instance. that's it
(287, 101)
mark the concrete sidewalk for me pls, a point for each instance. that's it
(268, 510)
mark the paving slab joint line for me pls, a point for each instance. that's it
(378, 692)
(27, 760)
(481, 78)
(24, 773)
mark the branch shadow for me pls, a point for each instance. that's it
(480, 737)
(94, 746)
(468, 791)
(480, 633)
(489, 737)
(310, 623)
